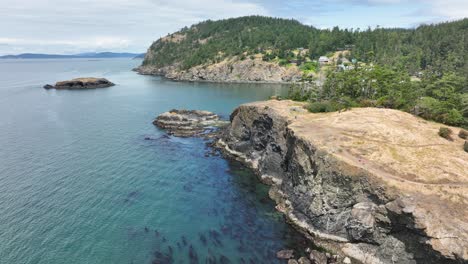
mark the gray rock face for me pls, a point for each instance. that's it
(81, 83)
(285, 254)
(187, 123)
(325, 197)
(248, 70)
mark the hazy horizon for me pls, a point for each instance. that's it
(64, 27)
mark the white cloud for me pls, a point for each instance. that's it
(62, 26)
(66, 26)
(451, 9)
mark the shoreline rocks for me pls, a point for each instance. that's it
(228, 71)
(80, 83)
(188, 123)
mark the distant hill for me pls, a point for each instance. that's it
(140, 56)
(89, 55)
(438, 47)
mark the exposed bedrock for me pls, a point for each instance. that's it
(246, 71)
(81, 83)
(377, 185)
(188, 123)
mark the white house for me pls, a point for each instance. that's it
(324, 60)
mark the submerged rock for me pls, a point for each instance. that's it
(187, 123)
(285, 254)
(81, 83)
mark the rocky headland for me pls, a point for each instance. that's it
(230, 70)
(81, 83)
(376, 185)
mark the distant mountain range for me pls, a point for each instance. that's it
(89, 55)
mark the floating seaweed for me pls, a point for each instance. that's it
(161, 258)
(193, 256)
(224, 260)
(171, 251)
(203, 239)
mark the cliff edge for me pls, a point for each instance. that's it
(377, 185)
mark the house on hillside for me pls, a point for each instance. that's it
(324, 60)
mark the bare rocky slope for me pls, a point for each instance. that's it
(377, 185)
(229, 70)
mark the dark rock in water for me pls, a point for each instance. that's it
(81, 83)
(187, 123)
(184, 240)
(285, 254)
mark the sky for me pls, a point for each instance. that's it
(75, 26)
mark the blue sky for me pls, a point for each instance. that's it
(73, 26)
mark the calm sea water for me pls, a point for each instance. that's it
(80, 184)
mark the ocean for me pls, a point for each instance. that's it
(81, 183)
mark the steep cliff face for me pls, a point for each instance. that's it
(232, 70)
(375, 184)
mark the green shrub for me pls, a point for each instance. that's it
(324, 107)
(302, 92)
(309, 66)
(454, 117)
(463, 134)
(283, 62)
(446, 133)
(367, 103)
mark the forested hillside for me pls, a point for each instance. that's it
(422, 70)
(438, 48)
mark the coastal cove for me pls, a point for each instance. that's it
(85, 177)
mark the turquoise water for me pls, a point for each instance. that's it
(80, 184)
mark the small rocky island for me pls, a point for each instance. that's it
(81, 83)
(187, 123)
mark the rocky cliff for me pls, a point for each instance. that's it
(229, 70)
(377, 185)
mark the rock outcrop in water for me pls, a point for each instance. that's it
(187, 123)
(377, 185)
(81, 83)
(232, 70)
